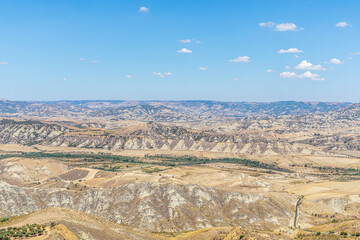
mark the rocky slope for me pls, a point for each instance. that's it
(160, 207)
(157, 207)
(75, 225)
(28, 132)
(145, 137)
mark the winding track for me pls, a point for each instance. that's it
(296, 215)
(297, 210)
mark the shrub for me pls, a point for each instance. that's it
(4, 219)
(4, 237)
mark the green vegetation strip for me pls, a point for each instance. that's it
(161, 160)
(190, 160)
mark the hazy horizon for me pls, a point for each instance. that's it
(172, 100)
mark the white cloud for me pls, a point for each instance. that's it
(270, 71)
(185, 41)
(184, 50)
(4, 63)
(288, 75)
(129, 76)
(296, 56)
(312, 76)
(281, 27)
(286, 27)
(162, 74)
(203, 68)
(143, 9)
(236, 79)
(305, 65)
(355, 53)
(240, 59)
(267, 24)
(82, 59)
(307, 74)
(343, 24)
(336, 61)
(64, 79)
(287, 67)
(95, 61)
(290, 50)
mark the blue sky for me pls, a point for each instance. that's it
(180, 50)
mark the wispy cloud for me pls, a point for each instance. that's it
(267, 24)
(185, 41)
(336, 61)
(307, 74)
(240, 59)
(92, 61)
(342, 24)
(270, 71)
(129, 76)
(305, 65)
(4, 63)
(355, 53)
(290, 50)
(159, 74)
(203, 68)
(143, 9)
(281, 27)
(162, 74)
(190, 41)
(64, 79)
(184, 50)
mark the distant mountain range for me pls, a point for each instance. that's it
(278, 128)
(169, 111)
